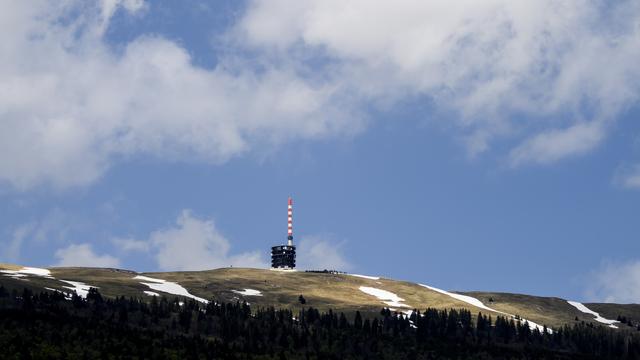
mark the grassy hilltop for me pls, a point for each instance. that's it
(339, 292)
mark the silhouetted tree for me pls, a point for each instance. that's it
(46, 325)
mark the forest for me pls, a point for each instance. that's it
(52, 325)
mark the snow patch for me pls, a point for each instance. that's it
(464, 298)
(36, 271)
(248, 292)
(56, 290)
(365, 276)
(408, 313)
(477, 303)
(151, 293)
(387, 297)
(15, 276)
(168, 287)
(25, 271)
(598, 318)
(80, 288)
(66, 295)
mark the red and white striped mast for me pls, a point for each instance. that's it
(290, 222)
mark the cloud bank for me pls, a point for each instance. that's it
(617, 282)
(83, 255)
(552, 73)
(550, 76)
(191, 244)
(196, 244)
(71, 105)
(321, 252)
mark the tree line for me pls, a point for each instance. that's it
(50, 325)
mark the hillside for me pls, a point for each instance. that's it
(341, 292)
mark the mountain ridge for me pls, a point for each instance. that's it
(342, 292)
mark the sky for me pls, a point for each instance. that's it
(470, 145)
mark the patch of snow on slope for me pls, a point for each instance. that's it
(408, 313)
(14, 275)
(477, 303)
(28, 271)
(56, 290)
(151, 293)
(168, 287)
(464, 298)
(248, 292)
(387, 297)
(598, 318)
(66, 295)
(35, 271)
(365, 276)
(80, 288)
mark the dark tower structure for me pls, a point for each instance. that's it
(284, 256)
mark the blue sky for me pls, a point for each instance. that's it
(489, 146)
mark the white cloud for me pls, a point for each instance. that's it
(109, 7)
(553, 145)
(319, 253)
(194, 244)
(616, 282)
(501, 65)
(83, 255)
(628, 177)
(71, 105)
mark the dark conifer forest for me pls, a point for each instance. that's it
(49, 326)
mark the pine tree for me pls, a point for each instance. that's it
(366, 327)
(357, 323)
(94, 295)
